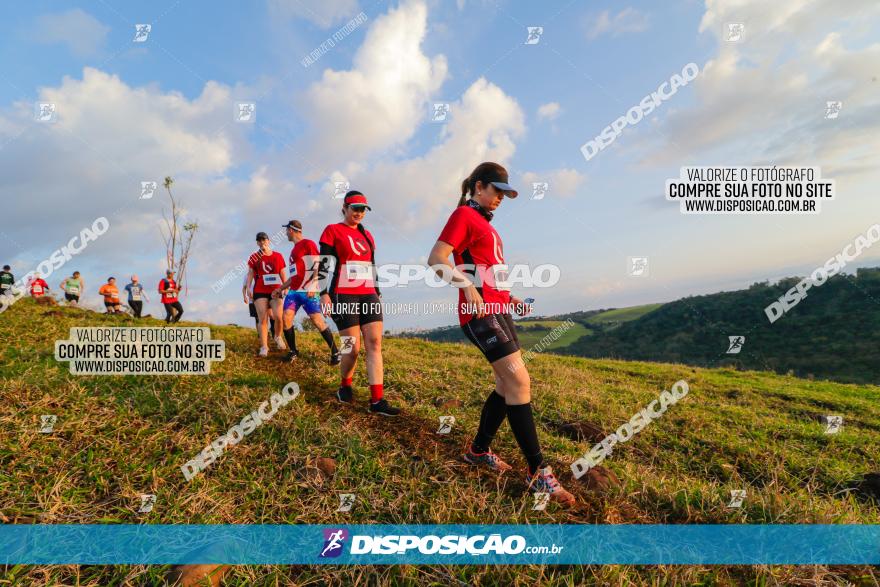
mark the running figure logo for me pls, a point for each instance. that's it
(736, 498)
(736, 344)
(141, 32)
(832, 109)
(245, 112)
(346, 345)
(637, 267)
(539, 189)
(47, 424)
(832, 424)
(446, 423)
(147, 501)
(441, 112)
(346, 501)
(148, 188)
(735, 31)
(44, 112)
(340, 188)
(534, 35)
(333, 541)
(542, 498)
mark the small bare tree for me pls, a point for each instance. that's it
(178, 237)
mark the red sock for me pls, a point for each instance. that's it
(375, 393)
(346, 382)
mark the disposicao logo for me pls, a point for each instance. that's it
(333, 542)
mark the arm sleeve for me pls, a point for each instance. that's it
(373, 260)
(330, 251)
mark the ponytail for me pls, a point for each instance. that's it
(465, 189)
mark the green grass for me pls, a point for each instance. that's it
(532, 332)
(619, 315)
(118, 437)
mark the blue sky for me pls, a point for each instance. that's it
(129, 112)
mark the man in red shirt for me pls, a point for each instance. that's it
(38, 286)
(170, 298)
(303, 283)
(484, 315)
(267, 272)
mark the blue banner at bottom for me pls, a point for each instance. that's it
(441, 544)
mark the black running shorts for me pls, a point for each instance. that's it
(348, 310)
(494, 335)
(71, 297)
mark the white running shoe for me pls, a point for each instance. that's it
(279, 342)
(264, 351)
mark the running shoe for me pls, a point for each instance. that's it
(291, 357)
(345, 394)
(486, 459)
(264, 351)
(279, 342)
(383, 408)
(335, 358)
(544, 481)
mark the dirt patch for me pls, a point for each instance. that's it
(600, 479)
(581, 431)
(186, 575)
(443, 403)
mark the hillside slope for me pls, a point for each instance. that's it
(119, 437)
(833, 333)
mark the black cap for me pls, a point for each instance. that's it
(262, 235)
(294, 224)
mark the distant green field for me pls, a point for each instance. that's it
(622, 314)
(531, 333)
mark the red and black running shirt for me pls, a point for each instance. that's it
(171, 297)
(38, 287)
(267, 271)
(475, 243)
(298, 266)
(355, 271)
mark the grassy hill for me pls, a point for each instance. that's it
(532, 329)
(119, 437)
(832, 333)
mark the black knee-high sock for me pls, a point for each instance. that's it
(290, 337)
(328, 338)
(494, 412)
(523, 426)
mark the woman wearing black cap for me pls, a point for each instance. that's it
(353, 298)
(267, 270)
(484, 315)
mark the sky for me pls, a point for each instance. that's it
(359, 109)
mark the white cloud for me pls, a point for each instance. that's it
(324, 13)
(79, 30)
(549, 111)
(628, 20)
(380, 102)
(563, 182)
(764, 98)
(109, 137)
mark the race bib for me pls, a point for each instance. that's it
(359, 271)
(271, 279)
(38, 289)
(293, 270)
(136, 296)
(73, 289)
(172, 294)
